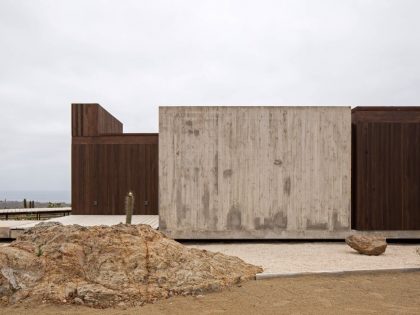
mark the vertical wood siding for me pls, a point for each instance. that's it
(106, 167)
(93, 120)
(254, 171)
(386, 168)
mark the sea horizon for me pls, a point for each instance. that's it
(36, 195)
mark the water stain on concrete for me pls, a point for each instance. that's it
(181, 209)
(257, 223)
(162, 224)
(216, 173)
(227, 173)
(336, 135)
(280, 220)
(287, 186)
(178, 199)
(337, 226)
(206, 202)
(215, 220)
(196, 174)
(278, 162)
(234, 219)
(190, 131)
(196, 132)
(187, 174)
(188, 123)
(277, 221)
(284, 124)
(316, 225)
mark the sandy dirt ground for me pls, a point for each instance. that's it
(298, 257)
(384, 293)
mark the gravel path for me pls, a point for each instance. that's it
(288, 258)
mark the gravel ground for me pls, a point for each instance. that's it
(285, 258)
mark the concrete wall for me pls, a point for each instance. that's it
(254, 172)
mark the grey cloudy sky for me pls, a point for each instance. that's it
(132, 56)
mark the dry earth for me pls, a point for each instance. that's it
(385, 293)
(102, 266)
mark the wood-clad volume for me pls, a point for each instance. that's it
(107, 164)
(93, 120)
(386, 168)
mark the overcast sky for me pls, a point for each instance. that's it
(132, 56)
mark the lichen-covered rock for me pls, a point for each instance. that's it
(367, 244)
(105, 266)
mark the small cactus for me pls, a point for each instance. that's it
(129, 206)
(39, 251)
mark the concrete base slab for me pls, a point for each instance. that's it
(262, 276)
(255, 234)
(6, 226)
(274, 234)
(14, 223)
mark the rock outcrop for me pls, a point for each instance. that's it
(367, 244)
(106, 266)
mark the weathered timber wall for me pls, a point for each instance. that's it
(386, 168)
(107, 164)
(93, 120)
(254, 172)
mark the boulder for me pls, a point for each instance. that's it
(105, 266)
(367, 244)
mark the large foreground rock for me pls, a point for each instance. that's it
(367, 244)
(105, 266)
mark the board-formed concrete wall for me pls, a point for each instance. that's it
(254, 172)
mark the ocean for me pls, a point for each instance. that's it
(36, 195)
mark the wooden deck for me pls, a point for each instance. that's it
(38, 213)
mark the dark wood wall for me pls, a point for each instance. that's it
(107, 164)
(386, 168)
(93, 120)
